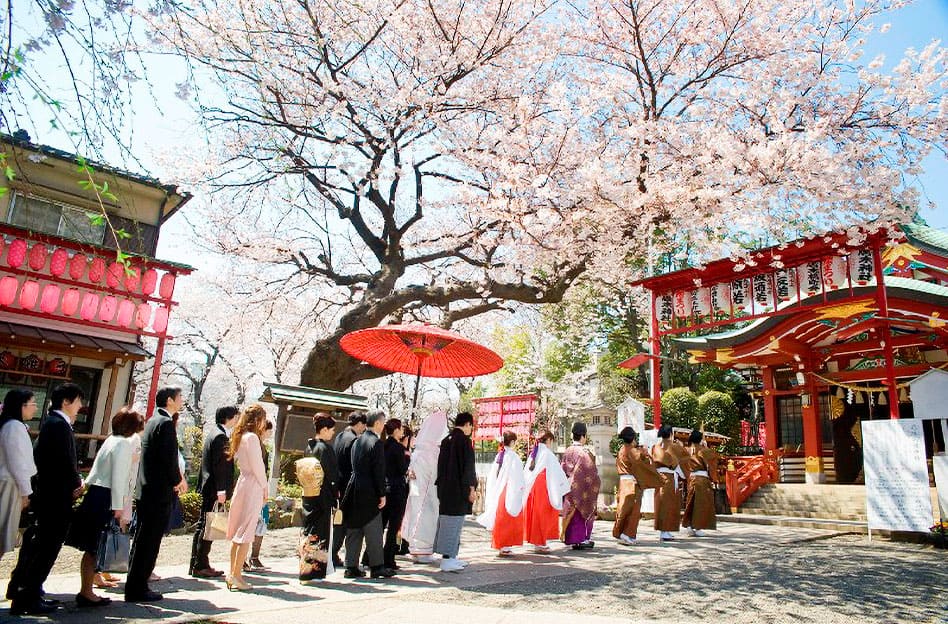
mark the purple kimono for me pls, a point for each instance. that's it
(579, 506)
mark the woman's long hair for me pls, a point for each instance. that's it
(252, 420)
(13, 405)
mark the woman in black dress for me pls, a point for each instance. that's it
(318, 510)
(396, 484)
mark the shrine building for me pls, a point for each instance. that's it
(71, 307)
(819, 342)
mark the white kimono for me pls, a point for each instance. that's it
(420, 524)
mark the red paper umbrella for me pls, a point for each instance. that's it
(420, 350)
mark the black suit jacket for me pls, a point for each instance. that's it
(360, 503)
(159, 472)
(396, 469)
(57, 472)
(342, 445)
(217, 471)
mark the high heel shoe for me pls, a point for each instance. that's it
(235, 585)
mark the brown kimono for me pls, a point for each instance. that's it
(636, 474)
(699, 507)
(667, 455)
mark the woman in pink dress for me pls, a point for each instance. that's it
(250, 494)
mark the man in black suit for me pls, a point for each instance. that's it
(159, 476)
(364, 499)
(216, 484)
(343, 449)
(56, 485)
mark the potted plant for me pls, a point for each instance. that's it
(939, 534)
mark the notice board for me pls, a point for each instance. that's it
(897, 494)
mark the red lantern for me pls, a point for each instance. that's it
(114, 275)
(166, 287)
(71, 302)
(90, 305)
(7, 360)
(57, 366)
(126, 311)
(133, 278)
(160, 322)
(38, 257)
(149, 281)
(8, 288)
(50, 300)
(142, 315)
(17, 254)
(107, 308)
(96, 270)
(29, 293)
(59, 261)
(77, 266)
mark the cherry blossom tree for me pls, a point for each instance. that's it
(439, 159)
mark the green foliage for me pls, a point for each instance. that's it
(680, 408)
(466, 400)
(615, 443)
(717, 412)
(711, 377)
(289, 490)
(191, 506)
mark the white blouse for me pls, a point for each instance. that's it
(112, 469)
(16, 456)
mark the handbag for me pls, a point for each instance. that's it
(215, 524)
(113, 551)
(176, 519)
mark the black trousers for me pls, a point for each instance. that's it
(42, 542)
(371, 533)
(152, 522)
(392, 515)
(338, 539)
(201, 548)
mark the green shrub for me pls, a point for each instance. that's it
(615, 443)
(191, 506)
(717, 412)
(680, 408)
(289, 490)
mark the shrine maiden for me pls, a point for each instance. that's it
(504, 498)
(546, 484)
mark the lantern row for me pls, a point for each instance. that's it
(79, 267)
(86, 305)
(765, 292)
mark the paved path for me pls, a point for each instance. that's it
(742, 574)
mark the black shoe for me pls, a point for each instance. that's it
(382, 572)
(34, 608)
(354, 573)
(82, 602)
(50, 602)
(391, 565)
(145, 596)
(337, 563)
(588, 545)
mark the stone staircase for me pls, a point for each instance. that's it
(832, 507)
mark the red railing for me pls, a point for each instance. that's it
(745, 475)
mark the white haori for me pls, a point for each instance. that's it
(420, 525)
(507, 474)
(557, 483)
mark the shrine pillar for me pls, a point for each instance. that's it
(812, 431)
(770, 410)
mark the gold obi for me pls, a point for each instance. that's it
(310, 475)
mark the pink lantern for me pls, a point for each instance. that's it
(126, 311)
(8, 288)
(142, 315)
(166, 287)
(96, 270)
(107, 308)
(50, 299)
(77, 266)
(149, 281)
(159, 323)
(70, 302)
(59, 262)
(90, 305)
(114, 275)
(38, 257)
(29, 293)
(17, 254)
(133, 279)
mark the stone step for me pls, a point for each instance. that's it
(840, 526)
(820, 515)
